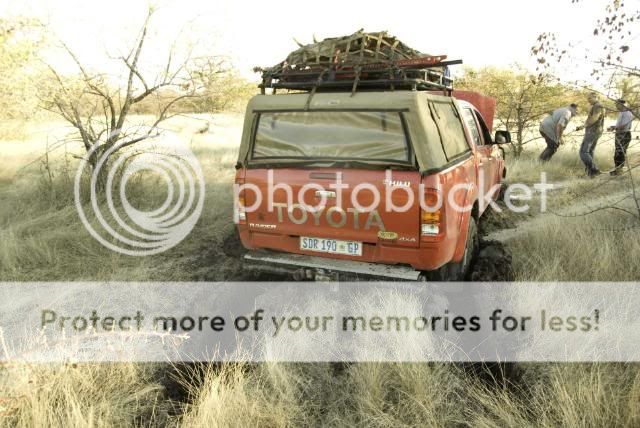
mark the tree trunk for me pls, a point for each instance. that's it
(519, 140)
(101, 179)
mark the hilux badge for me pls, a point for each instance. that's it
(396, 183)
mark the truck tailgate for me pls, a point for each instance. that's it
(308, 203)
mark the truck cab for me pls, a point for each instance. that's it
(385, 184)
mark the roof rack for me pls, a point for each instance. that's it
(361, 60)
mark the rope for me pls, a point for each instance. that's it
(620, 229)
(601, 184)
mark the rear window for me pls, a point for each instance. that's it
(355, 135)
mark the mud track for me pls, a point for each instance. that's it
(504, 229)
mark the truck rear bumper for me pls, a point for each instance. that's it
(427, 257)
(302, 267)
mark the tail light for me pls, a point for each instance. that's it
(240, 215)
(432, 216)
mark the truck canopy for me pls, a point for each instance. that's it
(371, 129)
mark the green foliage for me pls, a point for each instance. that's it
(20, 40)
(221, 88)
(628, 88)
(228, 92)
(522, 98)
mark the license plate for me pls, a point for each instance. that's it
(333, 246)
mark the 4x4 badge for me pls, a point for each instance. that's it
(387, 236)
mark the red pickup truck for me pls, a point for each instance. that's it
(373, 184)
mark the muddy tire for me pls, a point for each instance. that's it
(231, 245)
(458, 271)
(502, 192)
(494, 263)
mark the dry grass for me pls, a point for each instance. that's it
(278, 395)
(434, 395)
(323, 394)
(565, 165)
(607, 252)
(41, 236)
(551, 395)
(544, 247)
(72, 395)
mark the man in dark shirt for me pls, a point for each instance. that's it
(593, 128)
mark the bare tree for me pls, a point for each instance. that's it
(611, 67)
(614, 31)
(98, 108)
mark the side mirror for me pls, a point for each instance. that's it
(502, 137)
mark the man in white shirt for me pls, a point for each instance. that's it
(623, 135)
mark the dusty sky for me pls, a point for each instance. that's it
(488, 32)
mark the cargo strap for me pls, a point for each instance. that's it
(315, 88)
(357, 69)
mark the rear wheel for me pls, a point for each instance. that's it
(457, 271)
